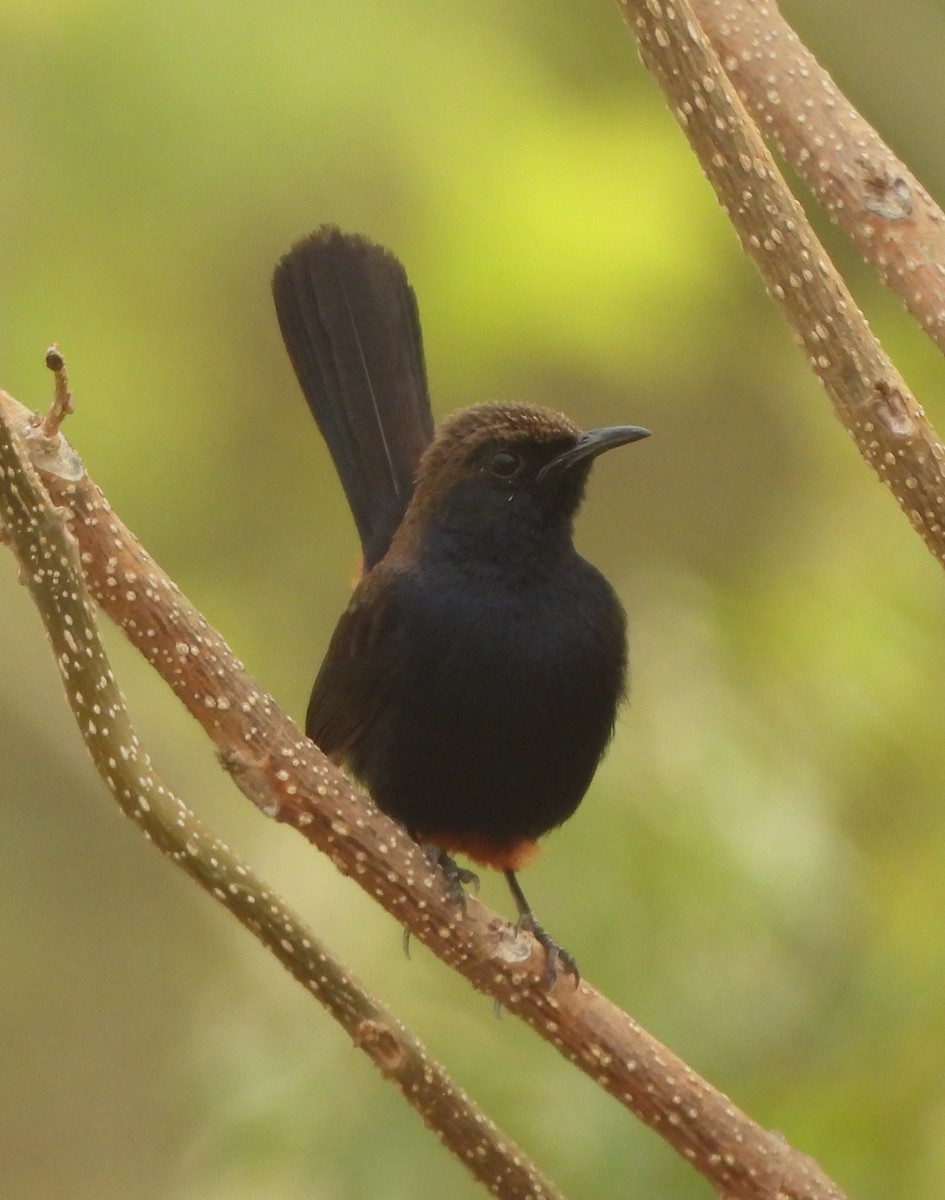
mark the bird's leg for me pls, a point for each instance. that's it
(554, 953)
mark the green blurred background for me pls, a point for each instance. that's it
(758, 874)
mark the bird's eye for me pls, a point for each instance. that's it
(505, 464)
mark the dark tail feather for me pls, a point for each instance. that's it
(350, 324)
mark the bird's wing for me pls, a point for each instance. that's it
(354, 682)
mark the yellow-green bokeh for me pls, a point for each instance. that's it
(757, 874)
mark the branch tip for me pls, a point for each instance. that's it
(62, 404)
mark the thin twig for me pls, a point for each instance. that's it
(52, 571)
(869, 395)
(289, 779)
(865, 189)
(62, 404)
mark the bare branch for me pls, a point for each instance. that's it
(866, 190)
(288, 778)
(869, 395)
(51, 569)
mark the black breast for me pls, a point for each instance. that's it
(501, 704)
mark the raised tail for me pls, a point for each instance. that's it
(350, 323)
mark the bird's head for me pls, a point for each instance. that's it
(502, 468)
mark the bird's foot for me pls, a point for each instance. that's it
(554, 954)
(457, 878)
(556, 957)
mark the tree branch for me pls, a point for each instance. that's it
(52, 571)
(289, 779)
(869, 396)
(865, 189)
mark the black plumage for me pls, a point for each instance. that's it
(473, 681)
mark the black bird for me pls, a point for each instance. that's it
(473, 681)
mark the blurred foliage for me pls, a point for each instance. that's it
(759, 871)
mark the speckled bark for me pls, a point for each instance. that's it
(869, 395)
(290, 780)
(51, 569)
(866, 190)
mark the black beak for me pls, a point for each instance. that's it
(592, 443)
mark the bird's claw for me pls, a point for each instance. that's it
(457, 878)
(555, 956)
